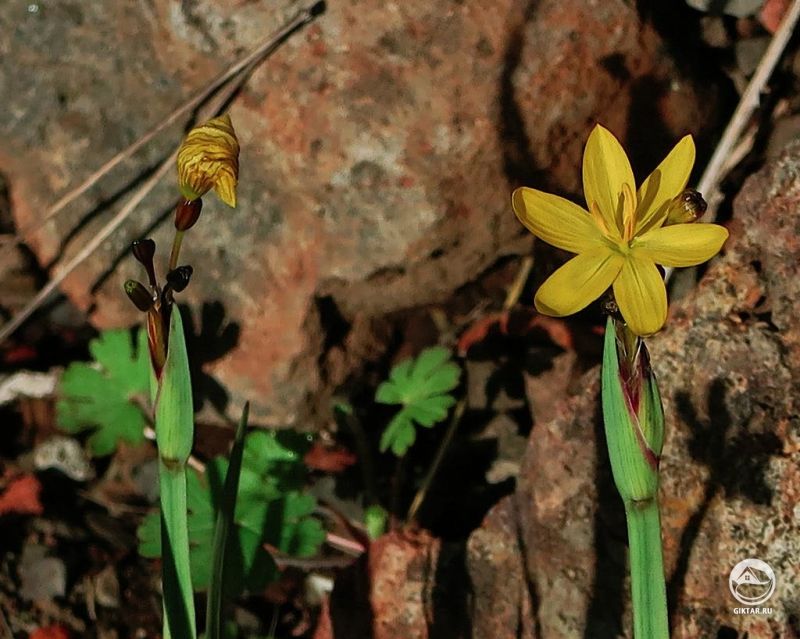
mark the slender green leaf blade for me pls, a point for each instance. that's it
(223, 526)
(266, 513)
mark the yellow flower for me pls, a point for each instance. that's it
(209, 158)
(622, 237)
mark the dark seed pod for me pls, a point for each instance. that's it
(178, 279)
(139, 295)
(144, 250)
(187, 213)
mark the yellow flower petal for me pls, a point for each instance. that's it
(681, 244)
(579, 282)
(641, 296)
(225, 188)
(209, 158)
(663, 184)
(555, 220)
(605, 169)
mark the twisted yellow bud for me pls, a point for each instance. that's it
(209, 158)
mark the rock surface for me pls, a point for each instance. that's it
(379, 147)
(501, 599)
(414, 585)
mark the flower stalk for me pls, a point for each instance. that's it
(175, 253)
(623, 239)
(208, 158)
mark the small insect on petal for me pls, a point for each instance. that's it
(209, 159)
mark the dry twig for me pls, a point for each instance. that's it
(731, 148)
(718, 165)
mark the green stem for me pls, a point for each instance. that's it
(171, 389)
(437, 461)
(179, 613)
(647, 570)
(176, 250)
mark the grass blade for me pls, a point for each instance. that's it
(223, 525)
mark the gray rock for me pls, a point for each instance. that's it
(738, 8)
(42, 577)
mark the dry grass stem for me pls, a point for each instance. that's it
(230, 84)
(263, 49)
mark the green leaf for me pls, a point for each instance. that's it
(270, 509)
(399, 435)
(422, 386)
(375, 518)
(99, 396)
(224, 522)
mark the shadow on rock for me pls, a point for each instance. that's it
(608, 595)
(736, 460)
(102, 206)
(518, 159)
(206, 343)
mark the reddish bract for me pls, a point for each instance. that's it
(50, 632)
(329, 460)
(22, 497)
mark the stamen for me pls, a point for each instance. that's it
(594, 209)
(628, 211)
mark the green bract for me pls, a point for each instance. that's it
(174, 407)
(634, 418)
(101, 396)
(422, 387)
(634, 423)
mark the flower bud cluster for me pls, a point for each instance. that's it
(208, 158)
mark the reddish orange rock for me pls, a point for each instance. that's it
(379, 149)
